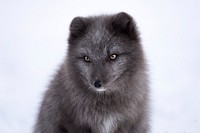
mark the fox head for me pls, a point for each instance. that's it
(104, 51)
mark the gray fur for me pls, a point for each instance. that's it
(73, 105)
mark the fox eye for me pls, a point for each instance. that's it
(113, 57)
(87, 59)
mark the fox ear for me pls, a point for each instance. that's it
(78, 27)
(122, 23)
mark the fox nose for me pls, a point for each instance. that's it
(97, 83)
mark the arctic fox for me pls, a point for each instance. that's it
(102, 86)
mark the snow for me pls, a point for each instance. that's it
(33, 42)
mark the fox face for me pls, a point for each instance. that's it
(103, 50)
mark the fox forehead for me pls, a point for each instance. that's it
(101, 50)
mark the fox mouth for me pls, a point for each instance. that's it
(99, 86)
(102, 89)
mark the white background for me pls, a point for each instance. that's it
(33, 42)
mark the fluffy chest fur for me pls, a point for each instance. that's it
(108, 124)
(100, 114)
